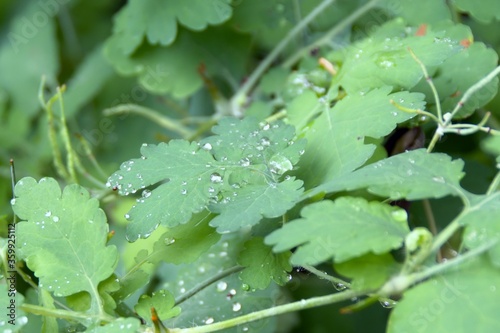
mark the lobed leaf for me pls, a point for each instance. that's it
(345, 229)
(482, 10)
(412, 175)
(157, 20)
(240, 169)
(446, 303)
(63, 237)
(335, 141)
(125, 325)
(262, 265)
(162, 301)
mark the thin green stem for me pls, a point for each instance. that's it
(328, 36)
(274, 311)
(431, 221)
(70, 158)
(429, 81)
(240, 97)
(322, 275)
(84, 318)
(190, 293)
(151, 114)
(494, 184)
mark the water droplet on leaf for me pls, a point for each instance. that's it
(215, 178)
(236, 307)
(221, 286)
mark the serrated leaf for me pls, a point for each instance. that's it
(342, 230)
(446, 303)
(157, 20)
(412, 175)
(243, 164)
(335, 141)
(63, 238)
(370, 271)
(262, 265)
(125, 325)
(384, 59)
(175, 69)
(460, 72)
(482, 10)
(162, 301)
(224, 299)
(482, 221)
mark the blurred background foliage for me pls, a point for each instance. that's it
(82, 44)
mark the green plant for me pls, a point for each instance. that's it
(312, 159)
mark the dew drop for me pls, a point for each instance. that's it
(221, 286)
(232, 292)
(127, 216)
(236, 307)
(48, 213)
(339, 286)
(244, 162)
(438, 179)
(169, 241)
(245, 287)
(245, 329)
(13, 201)
(265, 127)
(394, 113)
(265, 141)
(55, 218)
(388, 303)
(207, 146)
(209, 321)
(184, 191)
(215, 178)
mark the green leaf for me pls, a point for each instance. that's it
(384, 59)
(63, 238)
(162, 301)
(412, 175)
(335, 141)
(183, 243)
(240, 169)
(482, 221)
(482, 10)
(344, 229)
(262, 265)
(415, 13)
(157, 20)
(125, 325)
(175, 69)
(460, 72)
(370, 271)
(224, 299)
(447, 303)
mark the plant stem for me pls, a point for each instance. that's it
(206, 283)
(240, 96)
(153, 115)
(327, 37)
(323, 275)
(274, 311)
(65, 314)
(494, 184)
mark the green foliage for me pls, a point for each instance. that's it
(237, 171)
(355, 140)
(63, 238)
(344, 229)
(262, 265)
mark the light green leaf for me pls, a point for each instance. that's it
(262, 265)
(124, 325)
(384, 58)
(482, 221)
(183, 243)
(412, 175)
(447, 303)
(344, 229)
(175, 69)
(482, 10)
(240, 169)
(460, 72)
(63, 238)
(370, 271)
(157, 20)
(335, 141)
(162, 301)
(491, 145)
(418, 12)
